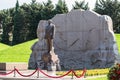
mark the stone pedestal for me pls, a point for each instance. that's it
(10, 66)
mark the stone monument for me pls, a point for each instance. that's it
(43, 55)
(83, 39)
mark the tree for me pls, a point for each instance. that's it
(18, 25)
(81, 5)
(21, 22)
(33, 1)
(7, 22)
(61, 7)
(1, 30)
(26, 16)
(48, 10)
(111, 8)
(34, 16)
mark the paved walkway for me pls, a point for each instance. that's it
(93, 77)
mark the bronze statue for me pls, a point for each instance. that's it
(46, 58)
(49, 35)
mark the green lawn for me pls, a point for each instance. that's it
(21, 52)
(18, 53)
(118, 41)
(3, 46)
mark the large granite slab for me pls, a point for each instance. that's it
(82, 39)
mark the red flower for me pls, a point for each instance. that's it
(118, 72)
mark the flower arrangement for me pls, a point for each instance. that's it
(92, 72)
(114, 72)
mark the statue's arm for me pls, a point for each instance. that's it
(53, 31)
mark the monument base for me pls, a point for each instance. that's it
(10, 66)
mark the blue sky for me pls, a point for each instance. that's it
(5, 4)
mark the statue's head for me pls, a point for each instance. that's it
(49, 21)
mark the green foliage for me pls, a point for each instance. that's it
(118, 41)
(7, 23)
(81, 5)
(33, 1)
(17, 6)
(1, 30)
(17, 53)
(114, 72)
(34, 18)
(22, 21)
(22, 24)
(18, 26)
(111, 8)
(61, 7)
(48, 10)
(3, 47)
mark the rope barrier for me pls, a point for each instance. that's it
(26, 75)
(73, 72)
(55, 76)
(83, 73)
(4, 74)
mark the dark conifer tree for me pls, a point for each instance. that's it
(111, 8)
(81, 5)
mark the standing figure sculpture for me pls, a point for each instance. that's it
(45, 57)
(49, 35)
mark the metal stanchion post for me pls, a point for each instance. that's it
(72, 73)
(14, 72)
(38, 73)
(85, 75)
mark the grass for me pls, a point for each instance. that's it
(118, 41)
(3, 46)
(17, 53)
(21, 52)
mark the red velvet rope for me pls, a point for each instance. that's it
(3, 74)
(55, 76)
(84, 71)
(26, 75)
